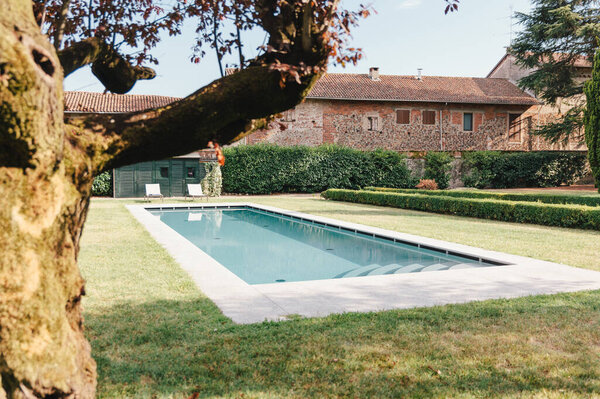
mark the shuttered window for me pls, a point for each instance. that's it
(429, 117)
(514, 128)
(403, 116)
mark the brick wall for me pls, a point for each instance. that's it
(346, 123)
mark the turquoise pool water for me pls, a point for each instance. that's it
(261, 247)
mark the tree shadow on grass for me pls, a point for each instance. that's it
(493, 349)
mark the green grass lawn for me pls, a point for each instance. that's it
(154, 334)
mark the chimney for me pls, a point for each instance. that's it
(374, 73)
(231, 71)
(419, 70)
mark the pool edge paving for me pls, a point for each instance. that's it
(245, 303)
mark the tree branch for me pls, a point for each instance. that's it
(61, 22)
(223, 111)
(110, 67)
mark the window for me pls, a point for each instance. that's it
(429, 117)
(468, 121)
(164, 171)
(289, 116)
(372, 122)
(191, 172)
(403, 116)
(514, 128)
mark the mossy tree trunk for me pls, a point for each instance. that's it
(46, 169)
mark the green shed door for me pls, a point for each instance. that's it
(125, 182)
(143, 176)
(177, 181)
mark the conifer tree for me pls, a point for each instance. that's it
(556, 35)
(592, 120)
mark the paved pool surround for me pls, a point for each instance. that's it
(518, 276)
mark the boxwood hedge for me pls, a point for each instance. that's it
(265, 169)
(573, 216)
(534, 197)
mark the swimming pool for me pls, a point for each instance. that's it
(514, 276)
(263, 247)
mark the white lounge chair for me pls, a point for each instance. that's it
(153, 191)
(195, 191)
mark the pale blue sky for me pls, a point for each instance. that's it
(404, 35)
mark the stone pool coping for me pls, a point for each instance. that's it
(245, 303)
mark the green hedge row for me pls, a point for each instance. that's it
(537, 197)
(265, 169)
(573, 216)
(496, 169)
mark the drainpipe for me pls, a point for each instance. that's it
(441, 136)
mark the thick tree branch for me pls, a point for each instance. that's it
(223, 111)
(110, 67)
(61, 22)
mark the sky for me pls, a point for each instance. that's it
(400, 37)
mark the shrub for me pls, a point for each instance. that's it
(102, 185)
(573, 216)
(538, 197)
(265, 169)
(212, 182)
(437, 167)
(426, 184)
(495, 169)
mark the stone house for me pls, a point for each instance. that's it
(419, 113)
(541, 114)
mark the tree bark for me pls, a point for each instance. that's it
(45, 194)
(46, 172)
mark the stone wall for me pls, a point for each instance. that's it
(346, 123)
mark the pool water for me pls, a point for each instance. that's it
(261, 247)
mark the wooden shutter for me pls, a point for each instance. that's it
(403, 116)
(429, 117)
(514, 128)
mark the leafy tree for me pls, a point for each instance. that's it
(557, 35)
(47, 163)
(592, 120)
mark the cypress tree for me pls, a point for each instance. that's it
(592, 119)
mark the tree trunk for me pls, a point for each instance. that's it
(46, 172)
(44, 195)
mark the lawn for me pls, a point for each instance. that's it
(154, 334)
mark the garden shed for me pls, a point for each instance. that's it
(172, 174)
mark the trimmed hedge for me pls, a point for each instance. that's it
(102, 184)
(496, 169)
(266, 169)
(573, 216)
(541, 197)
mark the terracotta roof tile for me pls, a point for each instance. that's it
(429, 89)
(340, 87)
(81, 101)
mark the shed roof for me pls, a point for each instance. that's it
(108, 103)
